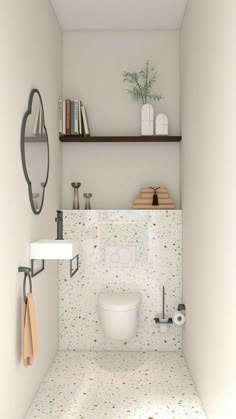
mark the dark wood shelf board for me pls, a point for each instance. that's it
(128, 139)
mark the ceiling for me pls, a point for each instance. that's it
(119, 14)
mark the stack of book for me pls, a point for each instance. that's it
(72, 118)
(145, 201)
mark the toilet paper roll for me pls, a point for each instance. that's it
(179, 318)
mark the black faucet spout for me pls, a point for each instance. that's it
(59, 221)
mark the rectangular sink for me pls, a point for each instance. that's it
(54, 249)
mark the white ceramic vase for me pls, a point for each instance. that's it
(161, 124)
(147, 119)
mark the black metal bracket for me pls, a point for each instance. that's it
(24, 269)
(181, 307)
(163, 321)
(33, 272)
(73, 272)
(27, 272)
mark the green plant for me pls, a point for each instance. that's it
(142, 82)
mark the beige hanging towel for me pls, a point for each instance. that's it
(31, 346)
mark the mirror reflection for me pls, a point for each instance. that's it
(35, 153)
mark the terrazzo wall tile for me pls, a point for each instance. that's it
(121, 251)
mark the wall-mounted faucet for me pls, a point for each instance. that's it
(59, 221)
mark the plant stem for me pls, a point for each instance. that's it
(140, 91)
(146, 82)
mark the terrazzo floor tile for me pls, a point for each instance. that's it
(117, 385)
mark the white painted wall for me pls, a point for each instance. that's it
(209, 184)
(93, 62)
(30, 57)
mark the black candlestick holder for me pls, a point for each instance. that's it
(87, 197)
(76, 186)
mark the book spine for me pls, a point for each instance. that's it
(76, 115)
(68, 117)
(64, 117)
(60, 112)
(85, 121)
(80, 118)
(72, 108)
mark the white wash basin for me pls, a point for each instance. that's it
(54, 249)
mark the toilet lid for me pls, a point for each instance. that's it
(119, 301)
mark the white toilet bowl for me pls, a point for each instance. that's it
(119, 314)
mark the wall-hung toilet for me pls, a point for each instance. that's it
(118, 313)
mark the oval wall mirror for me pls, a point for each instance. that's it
(35, 151)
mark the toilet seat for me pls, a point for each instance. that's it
(119, 301)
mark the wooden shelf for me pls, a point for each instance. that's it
(128, 139)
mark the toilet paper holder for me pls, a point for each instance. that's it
(179, 315)
(181, 307)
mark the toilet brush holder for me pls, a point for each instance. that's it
(163, 323)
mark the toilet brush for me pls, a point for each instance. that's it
(163, 322)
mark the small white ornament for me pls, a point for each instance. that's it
(161, 124)
(147, 119)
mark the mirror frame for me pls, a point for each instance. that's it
(26, 115)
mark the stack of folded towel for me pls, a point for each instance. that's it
(148, 201)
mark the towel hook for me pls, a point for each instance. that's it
(27, 272)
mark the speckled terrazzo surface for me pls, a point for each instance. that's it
(117, 385)
(148, 256)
